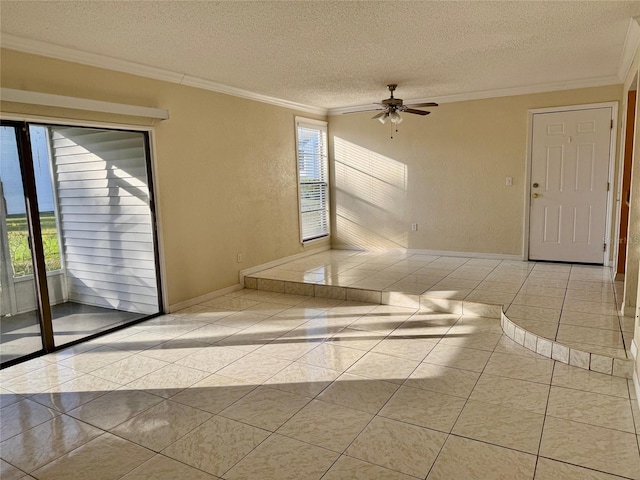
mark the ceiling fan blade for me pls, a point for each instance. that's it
(419, 105)
(381, 114)
(417, 112)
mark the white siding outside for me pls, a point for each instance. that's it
(105, 221)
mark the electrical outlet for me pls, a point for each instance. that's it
(239, 258)
(509, 181)
(414, 227)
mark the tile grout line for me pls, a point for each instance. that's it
(311, 400)
(544, 419)
(376, 415)
(462, 410)
(564, 299)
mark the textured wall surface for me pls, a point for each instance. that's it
(445, 172)
(225, 168)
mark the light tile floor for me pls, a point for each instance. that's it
(576, 305)
(262, 385)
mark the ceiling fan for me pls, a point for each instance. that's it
(392, 107)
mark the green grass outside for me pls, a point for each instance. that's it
(19, 243)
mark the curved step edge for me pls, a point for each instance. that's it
(617, 367)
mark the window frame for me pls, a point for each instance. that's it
(322, 126)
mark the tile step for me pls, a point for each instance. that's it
(618, 367)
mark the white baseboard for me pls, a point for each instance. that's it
(351, 247)
(489, 256)
(636, 373)
(280, 261)
(636, 384)
(440, 253)
(203, 298)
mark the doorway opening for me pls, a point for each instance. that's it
(625, 182)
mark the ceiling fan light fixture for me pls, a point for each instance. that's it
(383, 118)
(395, 117)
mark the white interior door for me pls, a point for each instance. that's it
(569, 183)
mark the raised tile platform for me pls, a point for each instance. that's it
(561, 311)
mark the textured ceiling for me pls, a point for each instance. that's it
(335, 54)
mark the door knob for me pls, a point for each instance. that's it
(536, 195)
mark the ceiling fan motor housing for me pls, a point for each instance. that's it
(396, 102)
(392, 103)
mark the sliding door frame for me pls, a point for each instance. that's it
(21, 123)
(25, 160)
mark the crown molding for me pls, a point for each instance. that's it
(631, 45)
(36, 47)
(500, 92)
(258, 97)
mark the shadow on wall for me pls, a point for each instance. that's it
(370, 198)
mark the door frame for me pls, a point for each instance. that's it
(152, 174)
(529, 161)
(156, 219)
(621, 155)
(32, 214)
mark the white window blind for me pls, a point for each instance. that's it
(313, 180)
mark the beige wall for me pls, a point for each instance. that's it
(225, 167)
(225, 171)
(445, 172)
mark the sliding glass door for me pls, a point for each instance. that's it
(93, 234)
(20, 332)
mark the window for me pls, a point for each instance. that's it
(313, 179)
